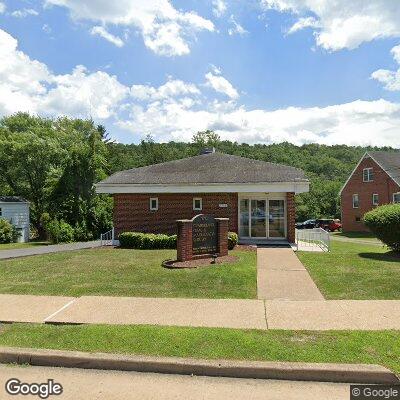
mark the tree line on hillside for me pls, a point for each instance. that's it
(54, 163)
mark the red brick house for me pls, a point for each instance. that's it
(374, 181)
(256, 196)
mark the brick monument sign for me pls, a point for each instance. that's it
(201, 237)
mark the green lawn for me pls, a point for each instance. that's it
(122, 272)
(355, 235)
(355, 271)
(10, 246)
(368, 347)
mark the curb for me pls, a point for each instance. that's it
(343, 373)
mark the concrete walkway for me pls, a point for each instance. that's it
(224, 313)
(281, 276)
(53, 248)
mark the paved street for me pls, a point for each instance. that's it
(113, 385)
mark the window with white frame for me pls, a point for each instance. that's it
(153, 203)
(368, 174)
(396, 197)
(197, 204)
(356, 201)
(375, 199)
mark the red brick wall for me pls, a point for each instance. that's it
(382, 184)
(291, 217)
(132, 211)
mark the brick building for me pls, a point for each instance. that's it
(374, 181)
(256, 196)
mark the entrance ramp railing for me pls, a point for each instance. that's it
(107, 239)
(316, 239)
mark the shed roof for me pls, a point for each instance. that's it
(12, 199)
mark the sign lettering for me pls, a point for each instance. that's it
(204, 234)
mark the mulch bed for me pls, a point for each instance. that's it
(201, 262)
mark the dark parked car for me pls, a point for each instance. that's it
(330, 225)
(309, 224)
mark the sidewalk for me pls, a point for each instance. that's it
(281, 276)
(53, 248)
(224, 313)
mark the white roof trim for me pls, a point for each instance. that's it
(296, 187)
(14, 202)
(354, 170)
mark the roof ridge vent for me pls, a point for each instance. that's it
(207, 150)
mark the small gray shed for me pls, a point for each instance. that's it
(16, 210)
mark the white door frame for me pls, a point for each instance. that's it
(266, 197)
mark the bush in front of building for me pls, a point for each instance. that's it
(148, 241)
(8, 232)
(384, 222)
(233, 239)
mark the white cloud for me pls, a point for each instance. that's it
(172, 88)
(390, 79)
(219, 7)
(306, 22)
(396, 53)
(25, 12)
(221, 85)
(355, 123)
(101, 31)
(46, 28)
(177, 109)
(343, 23)
(2, 7)
(165, 30)
(28, 85)
(237, 28)
(82, 93)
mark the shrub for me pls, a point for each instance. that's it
(81, 232)
(232, 240)
(8, 232)
(60, 231)
(384, 222)
(137, 240)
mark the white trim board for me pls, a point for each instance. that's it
(358, 164)
(271, 187)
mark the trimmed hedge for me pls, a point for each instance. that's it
(233, 239)
(384, 222)
(137, 240)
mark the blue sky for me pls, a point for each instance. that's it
(255, 71)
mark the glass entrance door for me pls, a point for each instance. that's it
(258, 219)
(252, 218)
(276, 218)
(262, 218)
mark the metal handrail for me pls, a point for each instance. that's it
(314, 237)
(107, 239)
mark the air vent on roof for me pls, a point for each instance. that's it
(208, 150)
